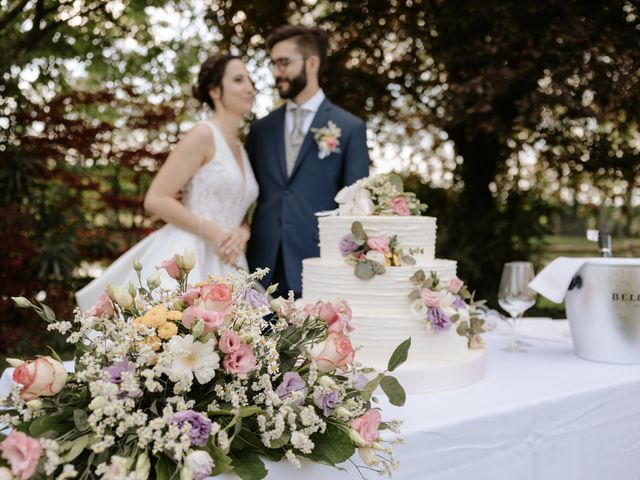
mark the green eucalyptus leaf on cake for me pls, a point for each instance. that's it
(399, 355)
(396, 182)
(407, 260)
(370, 387)
(364, 270)
(477, 324)
(418, 277)
(378, 268)
(463, 329)
(414, 295)
(392, 388)
(358, 232)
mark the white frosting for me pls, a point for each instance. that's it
(412, 232)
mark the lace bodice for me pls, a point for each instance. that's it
(218, 192)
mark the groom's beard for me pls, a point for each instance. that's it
(296, 85)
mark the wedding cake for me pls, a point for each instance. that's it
(378, 254)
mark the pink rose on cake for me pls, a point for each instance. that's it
(430, 298)
(400, 207)
(379, 244)
(335, 352)
(455, 284)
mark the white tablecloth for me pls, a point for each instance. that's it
(541, 415)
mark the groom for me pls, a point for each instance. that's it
(302, 154)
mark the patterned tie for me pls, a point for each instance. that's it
(296, 137)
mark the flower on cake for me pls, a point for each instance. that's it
(442, 306)
(371, 255)
(169, 380)
(328, 139)
(381, 194)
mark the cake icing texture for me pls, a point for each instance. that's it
(383, 313)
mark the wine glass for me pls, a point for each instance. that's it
(515, 297)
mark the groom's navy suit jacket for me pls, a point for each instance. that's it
(285, 214)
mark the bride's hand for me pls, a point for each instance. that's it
(234, 243)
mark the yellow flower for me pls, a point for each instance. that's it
(167, 330)
(396, 260)
(155, 317)
(154, 342)
(174, 315)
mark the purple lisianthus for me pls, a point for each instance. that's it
(255, 298)
(292, 382)
(200, 426)
(115, 371)
(347, 245)
(439, 320)
(326, 401)
(358, 381)
(459, 303)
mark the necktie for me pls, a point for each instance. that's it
(296, 137)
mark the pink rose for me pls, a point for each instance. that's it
(309, 309)
(240, 361)
(367, 426)
(335, 352)
(378, 244)
(400, 207)
(190, 296)
(102, 307)
(331, 143)
(338, 317)
(43, 377)
(430, 298)
(455, 284)
(215, 297)
(22, 452)
(171, 266)
(229, 341)
(210, 318)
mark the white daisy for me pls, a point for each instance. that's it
(191, 358)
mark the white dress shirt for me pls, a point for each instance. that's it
(310, 107)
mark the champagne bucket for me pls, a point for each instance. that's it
(603, 308)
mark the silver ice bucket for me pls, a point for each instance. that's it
(603, 308)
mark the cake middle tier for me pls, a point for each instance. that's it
(380, 295)
(412, 232)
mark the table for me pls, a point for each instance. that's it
(541, 415)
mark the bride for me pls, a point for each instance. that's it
(211, 168)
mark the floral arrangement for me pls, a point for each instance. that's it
(443, 306)
(193, 381)
(381, 194)
(370, 255)
(328, 139)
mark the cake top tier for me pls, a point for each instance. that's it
(381, 194)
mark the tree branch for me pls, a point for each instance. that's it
(12, 14)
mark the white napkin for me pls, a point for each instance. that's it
(554, 280)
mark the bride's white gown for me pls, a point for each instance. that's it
(217, 192)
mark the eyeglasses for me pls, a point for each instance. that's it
(283, 62)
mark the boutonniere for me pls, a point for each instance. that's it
(328, 139)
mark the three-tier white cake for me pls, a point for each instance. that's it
(381, 306)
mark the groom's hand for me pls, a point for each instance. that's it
(234, 243)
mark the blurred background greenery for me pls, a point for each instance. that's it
(517, 122)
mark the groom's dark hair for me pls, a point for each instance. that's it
(310, 40)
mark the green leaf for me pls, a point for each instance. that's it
(392, 388)
(418, 278)
(331, 447)
(358, 232)
(399, 355)
(76, 448)
(57, 423)
(407, 260)
(364, 271)
(249, 411)
(221, 461)
(165, 468)
(49, 314)
(80, 418)
(282, 441)
(463, 328)
(414, 295)
(370, 387)
(247, 465)
(378, 268)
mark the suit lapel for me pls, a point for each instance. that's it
(320, 120)
(279, 141)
